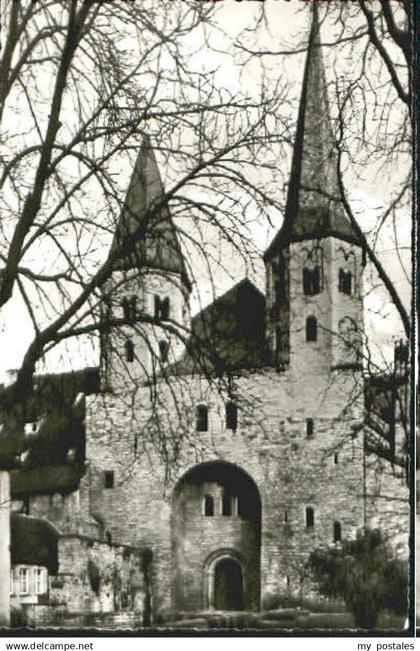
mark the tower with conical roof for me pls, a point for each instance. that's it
(314, 264)
(147, 297)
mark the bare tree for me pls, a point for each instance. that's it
(81, 84)
(368, 51)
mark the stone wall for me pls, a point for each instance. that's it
(93, 577)
(96, 577)
(69, 513)
(150, 448)
(116, 371)
(329, 306)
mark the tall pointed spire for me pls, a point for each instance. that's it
(158, 246)
(309, 212)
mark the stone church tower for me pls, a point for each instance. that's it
(314, 265)
(149, 280)
(232, 485)
(207, 457)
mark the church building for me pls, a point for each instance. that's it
(205, 459)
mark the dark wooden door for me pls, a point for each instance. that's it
(228, 585)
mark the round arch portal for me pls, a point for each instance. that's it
(224, 581)
(216, 552)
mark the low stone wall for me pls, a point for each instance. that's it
(93, 578)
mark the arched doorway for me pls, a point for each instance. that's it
(216, 539)
(228, 585)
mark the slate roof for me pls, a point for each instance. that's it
(158, 245)
(228, 334)
(309, 212)
(33, 542)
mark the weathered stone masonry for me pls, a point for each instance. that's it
(176, 507)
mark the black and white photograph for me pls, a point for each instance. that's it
(206, 348)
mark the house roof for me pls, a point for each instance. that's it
(46, 480)
(147, 212)
(33, 542)
(310, 213)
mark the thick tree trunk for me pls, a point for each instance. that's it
(4, 548)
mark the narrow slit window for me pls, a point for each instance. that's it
(165, 309)
(337, 531)
(309, 427)
(163, 349)
(129, 306)
(129, 351)
(336, 458)
(208, 505)
(202, 418)
(311, 328)
(109, 479)
(310, 517)
(231, 416)
(286, 516)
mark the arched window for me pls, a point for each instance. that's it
(344, 281)
(129, 350)
(129, 306)
(231, 416)
(162, 307)
(163, 349)
(202, 418)
(337, 531)
(208, 505)
(309, 427)
(310, 516)
(227, 504)
(311, 281)
(311, 328)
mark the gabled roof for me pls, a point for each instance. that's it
(157, 245)
(228, 334)
(310, 214)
